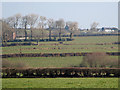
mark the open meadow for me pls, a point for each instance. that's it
(79, 44)
(49, 61)
(60, 83)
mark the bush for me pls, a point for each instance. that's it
(59, 72)
(98, 60)
(68, 39)
(8, 64)
(20, 65)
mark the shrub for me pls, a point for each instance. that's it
(113, 62)
(98, 60)
(8, 64)
(59, 72)
(20, 65)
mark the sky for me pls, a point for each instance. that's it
(85, 13)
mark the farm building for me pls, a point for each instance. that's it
(109, 30)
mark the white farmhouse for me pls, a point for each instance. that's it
(109, 30)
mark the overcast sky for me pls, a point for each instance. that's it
(85, 13)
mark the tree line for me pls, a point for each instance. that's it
(34, 21)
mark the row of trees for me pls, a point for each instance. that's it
(6, 32)
(33, 21)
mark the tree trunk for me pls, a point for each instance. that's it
(70, 35)
(6, 40)
(31, 34)
(37, 42)
(3, 39)
(5, 43)
(25, 32)
(42, 34)
(60, 34)
(49, 34)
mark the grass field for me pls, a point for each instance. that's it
(60, 83)
(49, 61)
(80, 44)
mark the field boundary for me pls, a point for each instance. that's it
(59, 72)
(53, 54)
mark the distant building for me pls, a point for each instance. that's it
(14, 35)
(107, 29)
(66, 27)
(20, 34)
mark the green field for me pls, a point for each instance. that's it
(80, 44)
(49, 61)
(60, 83)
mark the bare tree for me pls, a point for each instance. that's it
(32, 21)
(50, 25)
(37, 34)
(25, 23)
(14, 21)
(10, 21)
(94, 26)
(17, 20)
(72, 27)
(60, 24)
(7, 32)
(42, 24)
(0, 31)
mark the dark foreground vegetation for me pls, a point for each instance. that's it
(59, 72)
(92, 65)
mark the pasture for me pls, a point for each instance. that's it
(79, 44)
(60, 83)
(49, 61)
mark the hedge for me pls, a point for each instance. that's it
(52, 54)
(59, 72)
